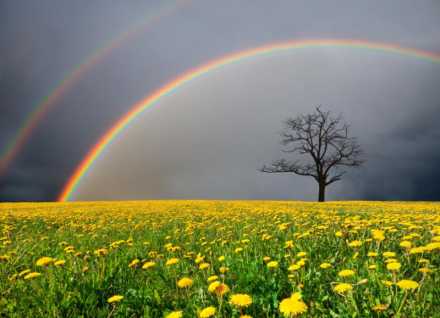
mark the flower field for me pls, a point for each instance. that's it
(220, 259)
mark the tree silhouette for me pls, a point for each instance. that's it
(324, 146)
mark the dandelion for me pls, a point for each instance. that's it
(240, 300)
(346, 273)
(185, 282)
(372, 254)
(223, 269)
(266, 259)
(204, 266)
(394, 266)
(272, 265)
(208, 312)
(325, 265)
(405, 244)
(238, 250)
(342, 288)
(380, 307)
(288, 244)
(425, 270)
(24, 272)
(301, 254)
(389, 254)
(134, 263)
(172, 261)
(292, 306)
(407, 284)
(175, 314)
(221, 258)
(355, 243)
(44, 261)
(60, 262)
(115, 299)
(32, 275)
(378, 235)
(148, 265)
(293, 267)
(218, 288)
(212, 278)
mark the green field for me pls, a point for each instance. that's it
(220, 259)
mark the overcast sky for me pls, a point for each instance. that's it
(209, 137)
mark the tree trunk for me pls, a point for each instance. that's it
(321, 196)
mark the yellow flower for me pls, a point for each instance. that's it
(221, 258)
(240, 300)
(387, 283)
(372, 267)
(185, 282)
(212, 278)
(32, 275)
(425, 270)
(60, 262)
(380, 307)
(238, 250)
(245, 316)
(24, 272)
(266, 259)
(394, 266)
(172, 261)
(301, 254)
(115, 299)
(405, 244)
(378, 235)
(342, 288)
(346, 273)
(407, 284)
(325, 265)
(294, 267)
(4, 258)
(372, 254)
(134, 263)
(338, 234)
(417, 250)
(292, 306)
(218, 288)
(44, 261)
(207, 312)
(355, 243)
(204, 266)
(288, 244)
(223, 269)
(175, 314)
(101, 252)
(389, 254)
(272, 265)
(148, 265)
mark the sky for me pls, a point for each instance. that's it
(208, 138)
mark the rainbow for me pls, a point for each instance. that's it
(169, 88)
(13, 148)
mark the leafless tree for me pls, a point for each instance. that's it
(324, 145)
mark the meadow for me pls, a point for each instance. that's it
(220, 259)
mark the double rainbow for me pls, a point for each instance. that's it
(169, 88)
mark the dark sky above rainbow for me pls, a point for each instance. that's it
(184, 99)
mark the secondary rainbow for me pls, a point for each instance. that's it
(172, 86)
(15, 145)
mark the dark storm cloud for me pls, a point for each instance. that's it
(42, 41)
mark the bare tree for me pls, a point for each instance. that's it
(325, 147)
